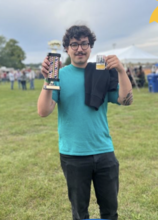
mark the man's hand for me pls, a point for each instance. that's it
(125, 87)
(113, 62)
(45, 67)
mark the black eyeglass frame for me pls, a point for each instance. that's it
(83, 43)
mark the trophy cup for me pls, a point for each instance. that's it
(54, 59)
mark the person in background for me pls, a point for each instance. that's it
(11, 79)
(4, 77)
(141, 77)
(31, 78)
(135, 70)
(85, 145)
(23, 80)
(128, 71)
(19, 78)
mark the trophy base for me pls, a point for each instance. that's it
(51, 87)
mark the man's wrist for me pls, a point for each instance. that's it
(46, 80)
(122, 72)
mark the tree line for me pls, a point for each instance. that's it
(11, 54)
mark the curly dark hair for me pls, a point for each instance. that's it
(78, 31)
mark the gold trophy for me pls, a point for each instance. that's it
(54, 59)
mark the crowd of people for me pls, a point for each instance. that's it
(21, 76)
(136, 76)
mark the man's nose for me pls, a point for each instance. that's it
(79, 48)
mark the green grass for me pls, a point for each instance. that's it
(32, 185)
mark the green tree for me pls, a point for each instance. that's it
(67, 61)
(11, 54)
(2, 42)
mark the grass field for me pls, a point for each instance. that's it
(32, 186)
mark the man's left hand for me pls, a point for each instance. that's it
(113, 62)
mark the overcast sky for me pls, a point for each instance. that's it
(119, 23)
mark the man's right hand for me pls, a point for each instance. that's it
(45, 67)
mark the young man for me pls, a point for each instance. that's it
(85, 146)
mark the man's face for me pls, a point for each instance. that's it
(79, 54)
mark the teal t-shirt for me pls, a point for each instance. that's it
(82, 129)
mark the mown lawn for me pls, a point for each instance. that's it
(32, 185)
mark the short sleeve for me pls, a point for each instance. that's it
(55, 95)
(113, 96)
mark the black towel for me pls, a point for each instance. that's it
(98, 83)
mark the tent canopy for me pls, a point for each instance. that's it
(131, 54)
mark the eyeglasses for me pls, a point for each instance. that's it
(75, 45)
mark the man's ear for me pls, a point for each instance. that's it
(66, 49)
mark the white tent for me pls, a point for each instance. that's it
(130, 54)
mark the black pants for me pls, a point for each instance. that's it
(103, 170)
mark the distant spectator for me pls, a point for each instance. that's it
(11, 78)
(141, 77)
(4, 77)
(31, 77)
(153, 69)
(135, 71)
(128, 71)
(19, 78)
(23, 80)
